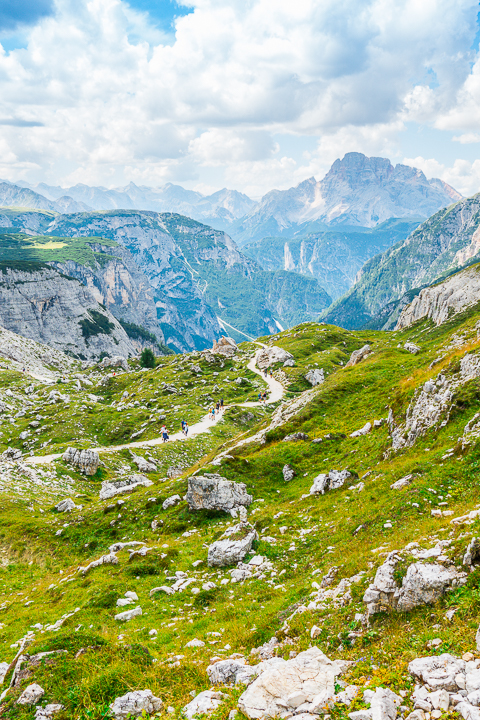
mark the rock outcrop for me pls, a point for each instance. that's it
(225, 346)
(135, 703)
(268, 356)
(213, 492)
(329, 481)
(87, 461)
(305, 684)
(110, 488)
(358, 355)
(315, 377)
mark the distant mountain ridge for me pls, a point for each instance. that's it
(357, 191)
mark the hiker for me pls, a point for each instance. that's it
(271, 374)
(164, 434)
(221, 403)
(264, 397)
(217, 407)
(185, 428)
(213, 413)
(265, 372)
(259, 397)
(184, 423)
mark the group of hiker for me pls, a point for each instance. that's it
(166, 436)
(216, 409)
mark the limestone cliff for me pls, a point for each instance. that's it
(48, 307)
(443, 300)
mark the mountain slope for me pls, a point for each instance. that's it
(332, 257)
(14, 196)
(356, 191)
(365, 553)
(441, 245)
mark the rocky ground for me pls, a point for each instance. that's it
(315, 555)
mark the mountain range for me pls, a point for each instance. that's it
(357, 191)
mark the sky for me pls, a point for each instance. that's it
(246, 94)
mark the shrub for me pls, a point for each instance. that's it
(147, 358)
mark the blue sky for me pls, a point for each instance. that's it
(250, 94)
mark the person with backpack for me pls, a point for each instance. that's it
(164, 434)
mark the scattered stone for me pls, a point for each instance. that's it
(195, 643)
(315, 377)
(128, 615)
(472, 553)
(174, 471)
(358, 355)
(237, 543)
(122, 487)
(290, 362)
(31, 695)
(412, 348)
(135, 703)
(383, 705)
(439, 672)
(294, 437)
(331, 481)
(225, 672)
(171, 501)
(204, 703)
(87, 461)
(162, 588)
(214, 492)
(288, 473)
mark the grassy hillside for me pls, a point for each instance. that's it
(19, 251)
(351, 528)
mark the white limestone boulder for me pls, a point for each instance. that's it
(133, 704)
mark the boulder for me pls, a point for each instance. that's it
(315, 377)
(472, 553)
(204, 703)
(134, 703)
(424, 584)
(110, 559)
(195, 643)
(383, 705)
(379, 594)
(268, 356)
(142, 464)
(116, 361)
(237, 543)
(358, 355)
(128, 615)
(305, 684)
(31, 695)
(290, 362)
(411, 348)
(331, 481)
(87, 461)
(213, 492)
(171, 501)
(288, 473)
(3, 671)
(66, 505)
(225, 672)
(403, 482)
(295, 437)
(225, 346)
(122, 487)
(363, 430)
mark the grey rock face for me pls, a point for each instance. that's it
(87, 461)
(134, 703)
(115, 361)
(425, 584)
(142, 464)
(225, 672)
(439, 672)
(213, 492)
(60, 312)
(225, 346)
(331, 481)
(122, 487)
(315, 377)
(237, 542)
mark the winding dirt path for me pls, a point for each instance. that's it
(277, 392)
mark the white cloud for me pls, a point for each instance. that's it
(116, 100)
